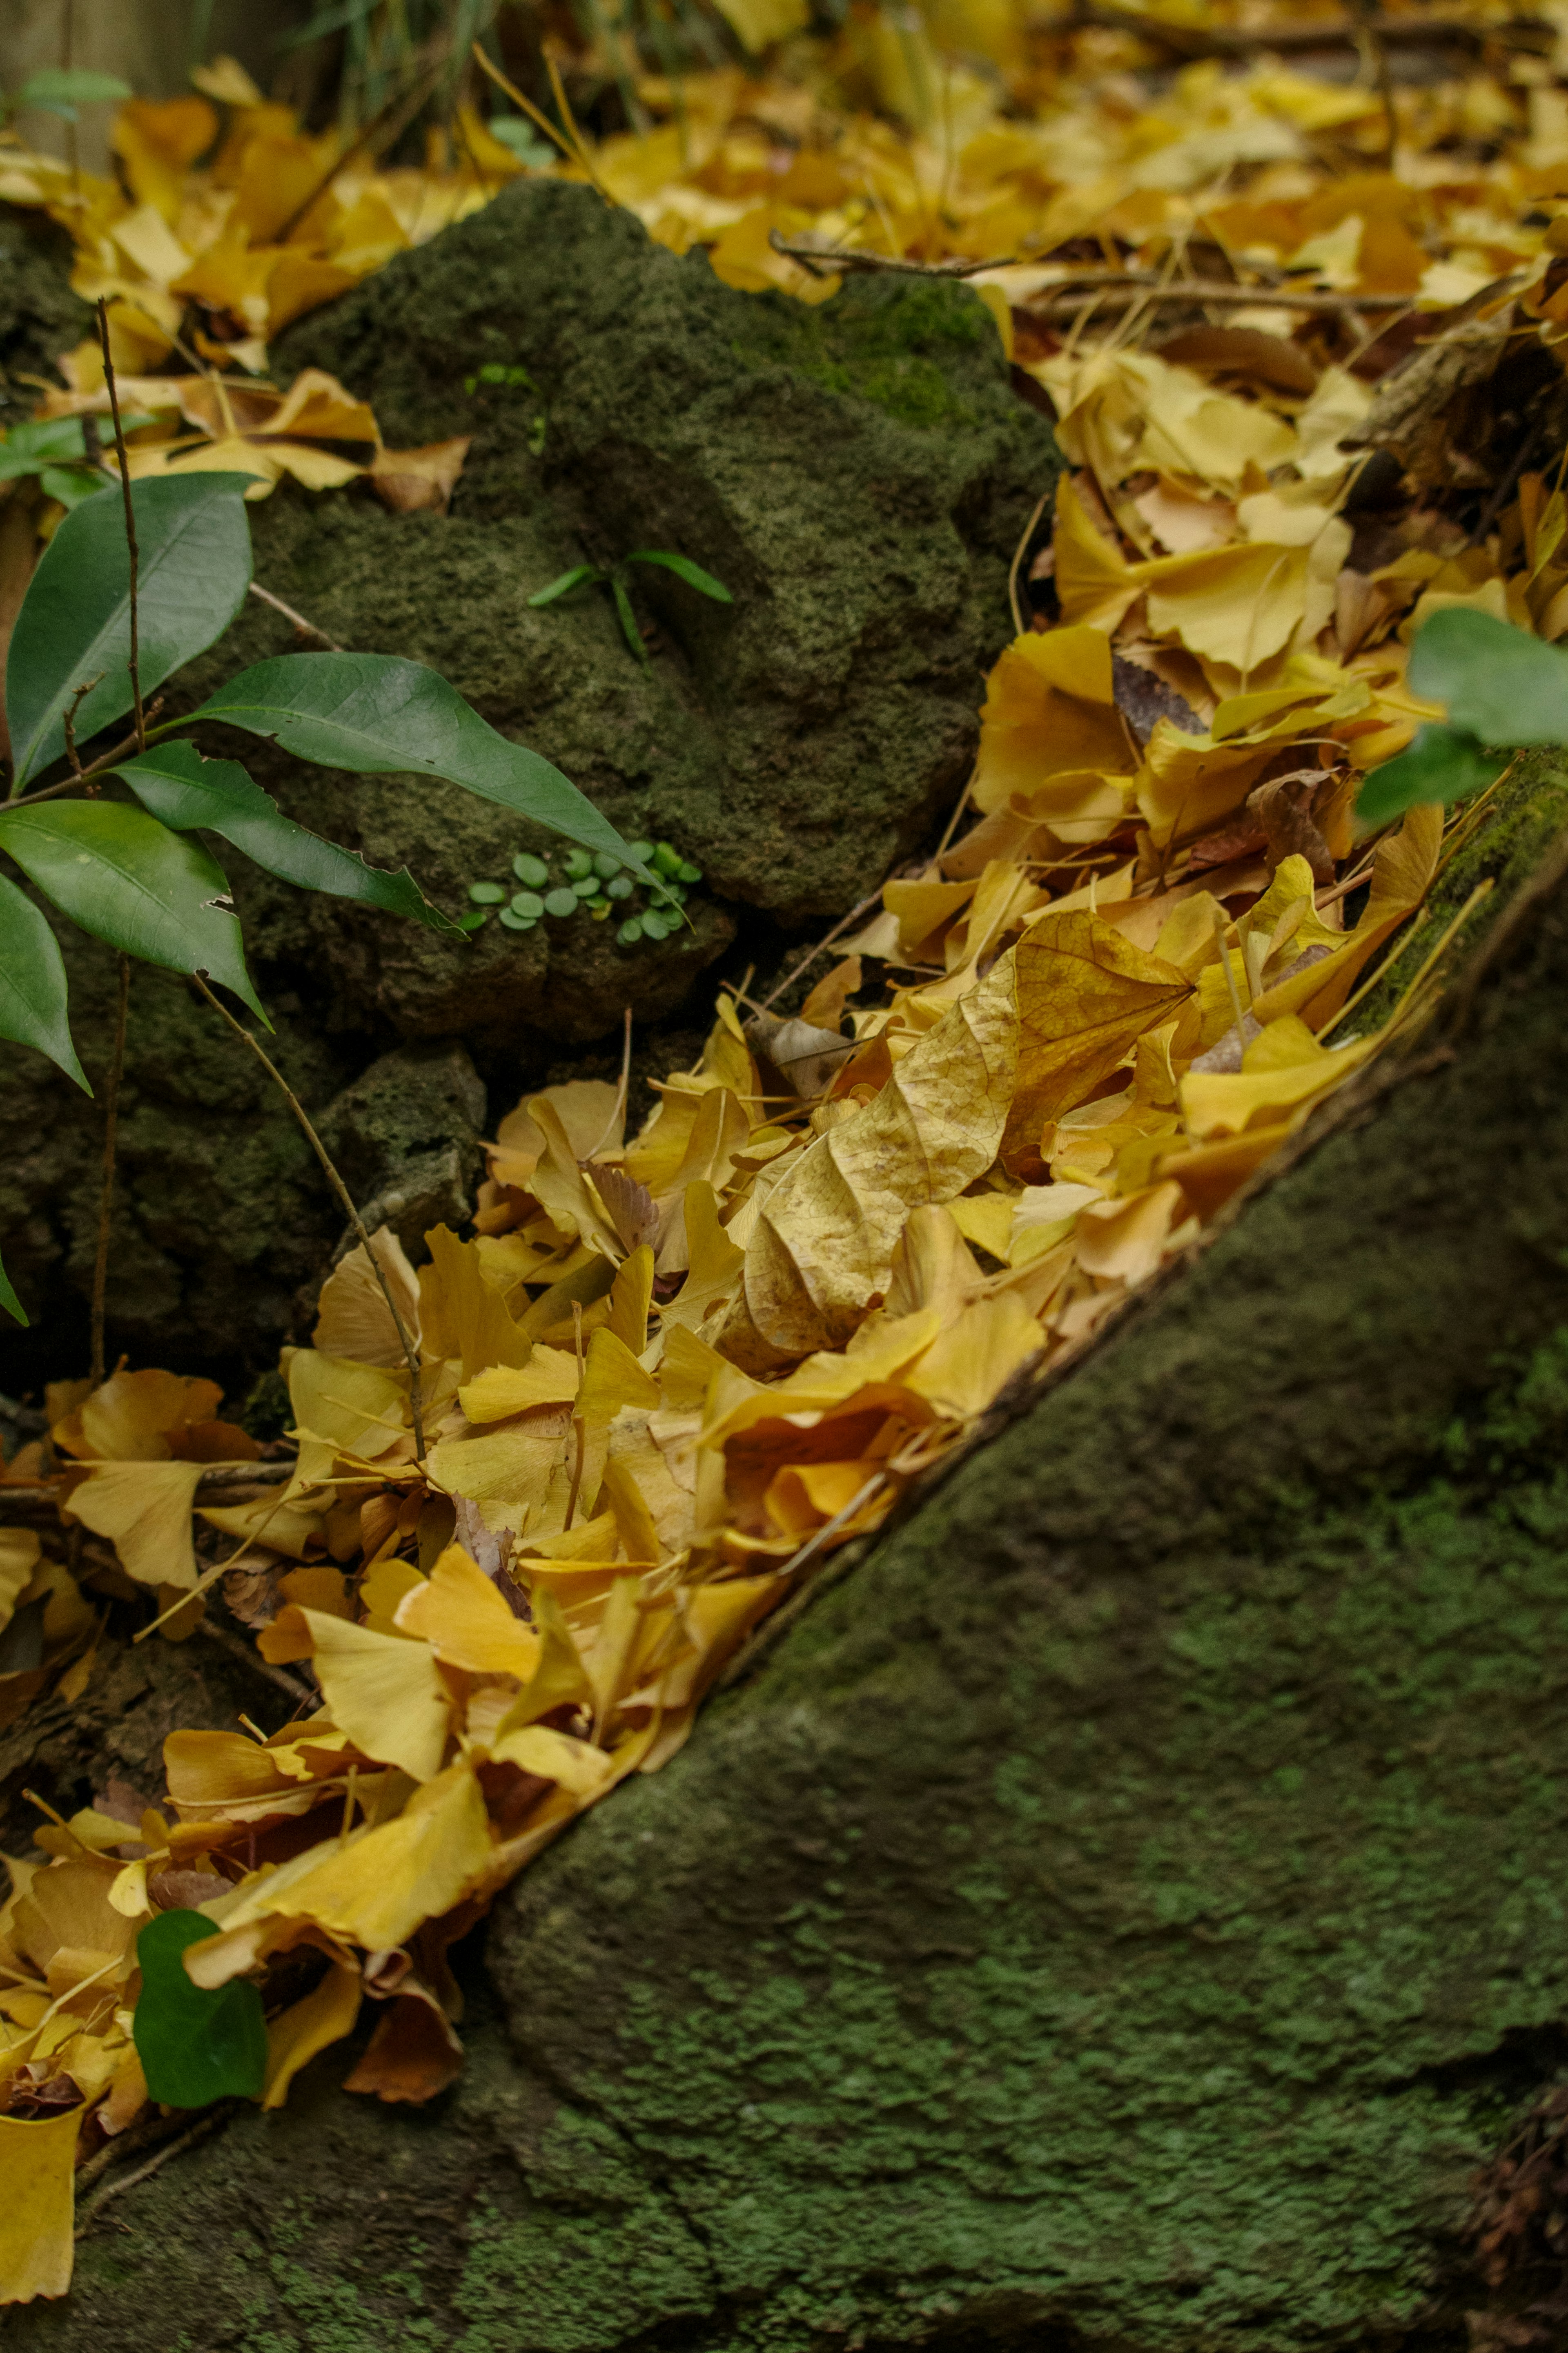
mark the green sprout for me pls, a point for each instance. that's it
(54, 449)
(612, 577)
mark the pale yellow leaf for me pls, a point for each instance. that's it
(825, 1240)
(386, 1694)
(463, 1616)
(37, 2162)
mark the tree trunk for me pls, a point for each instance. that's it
(1122, 1913)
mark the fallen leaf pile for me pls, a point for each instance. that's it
(667, 1374)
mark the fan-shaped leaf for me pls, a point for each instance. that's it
(184, 790)
(33, 984)
(74, 627)
(377, 715)
(128, 880)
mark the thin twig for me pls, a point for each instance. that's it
(812, 954)
(1199, 41)
(135, 661)
(203, 2124)
(410, 101)
(826, 260)
(106, 1196)
(68, 721)
(299, 620)
(622, 1092)
(1124, 286)
(410, 1355)
(1018, 555)
(254, 1660)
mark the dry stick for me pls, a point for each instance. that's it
(68, 721)
(812, 954)
(826, 260)
(1118, 286)
(1222, 41)
(109, 759)
(135, 659)
(299, 620)
(253, 1659)
(410, 1356)
(575, 154)
(198, 2131)
(411, 100)
(1018, 555)
(106, 1198)
(621, 1093)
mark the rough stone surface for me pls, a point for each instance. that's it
(1122, 1913)
(855, 475)
(39, 315)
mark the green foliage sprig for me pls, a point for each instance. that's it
(1503, 689)
(104, 624)
(612, 577)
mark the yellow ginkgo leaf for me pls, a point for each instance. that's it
(353, 1318)
(358, 1409)
(613, 1378)
(463, 1316)
(825, 1239)
(386, 1694)
(19, 1553)
(374, 1887)
(144, 1509)
(320, 2017)
(38, 2167)
(462, 1614)
(576, 1765)
(974, 1359)
(1084, 995)
(551, 1377)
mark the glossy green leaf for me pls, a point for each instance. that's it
(377, 715)
(184, 790)
(8, 1299)
(684, 569)
(566, 582)
(74, 626)
(33, 1010)
(195, 2045)
(1500, 684)
(128, 880)
(1441, 764)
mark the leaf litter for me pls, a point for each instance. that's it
(667, 1373)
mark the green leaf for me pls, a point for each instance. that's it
(1441, 764)
(57, 88)
(377, 715)
(1500, 684)
(37, 442)
(33, 984)
(74, 625)
(8, 1299)
(71, 484)
(184, 790)
(195, 2045)
(684, 569)
(568, 581)
(629, 629)
(128, 880)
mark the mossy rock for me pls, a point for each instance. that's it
(856, 475)
(1121, 1912)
